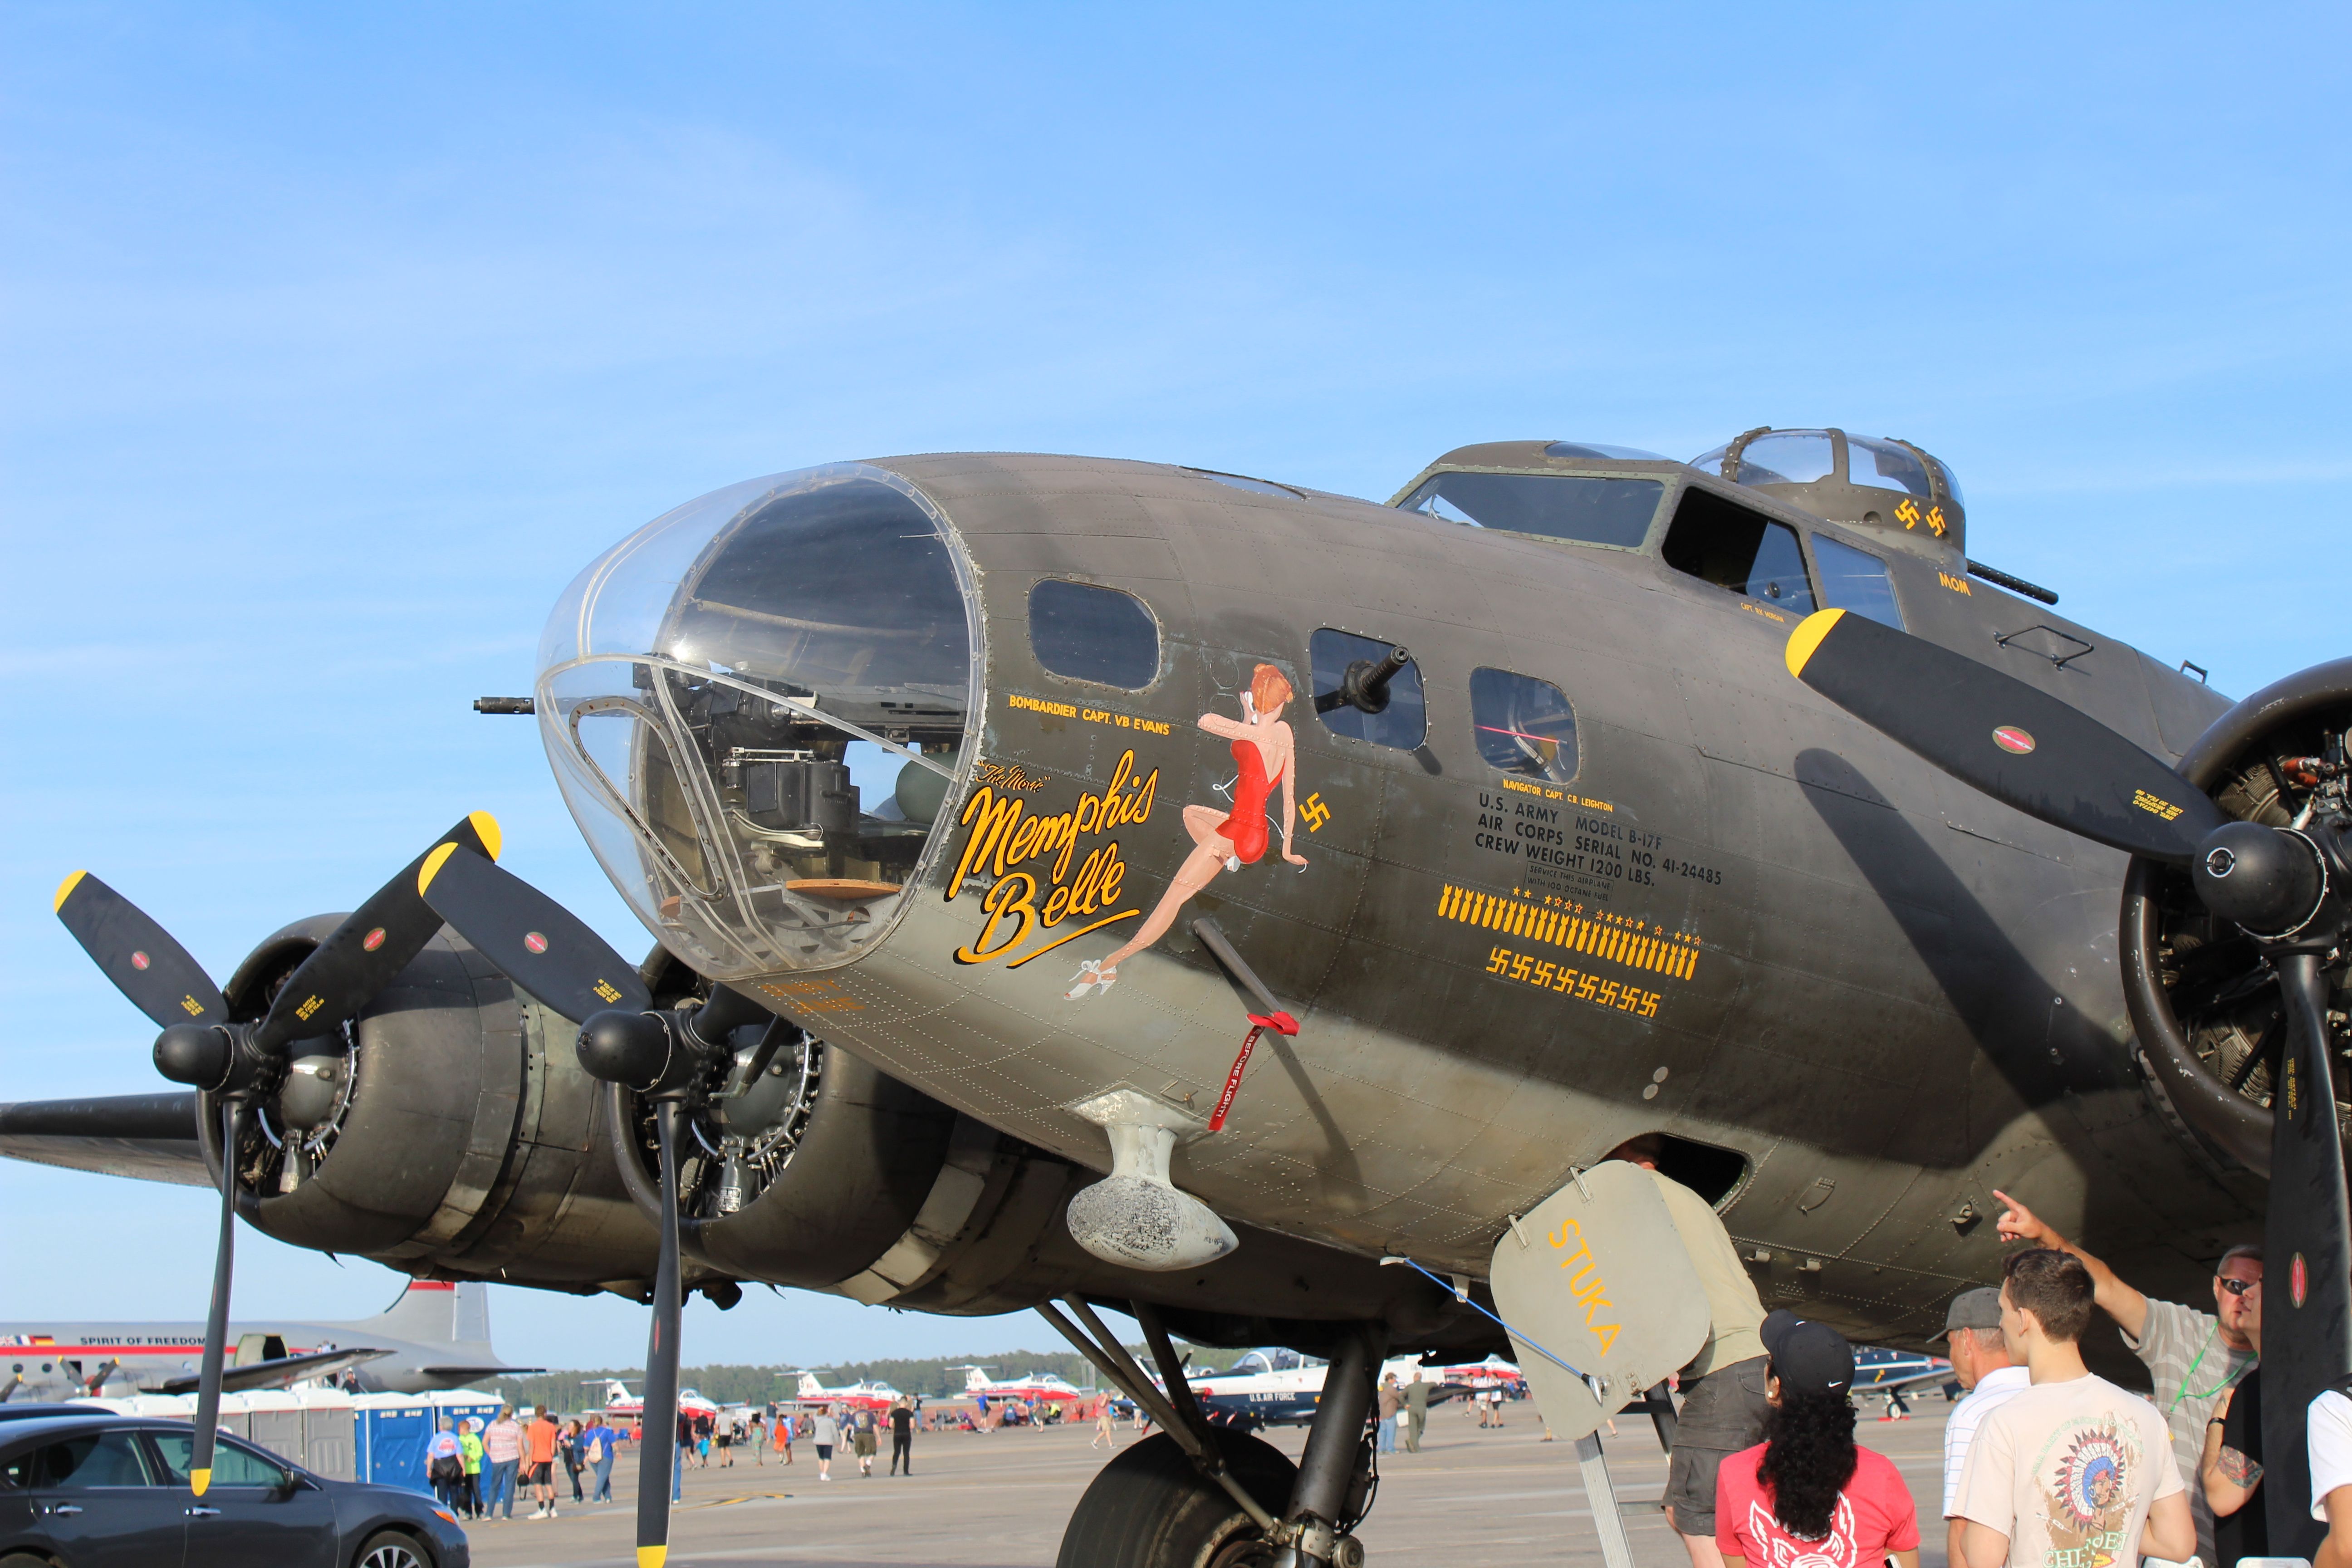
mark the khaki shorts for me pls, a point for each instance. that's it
(1722, 1413)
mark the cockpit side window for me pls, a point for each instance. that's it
(1855, 580)
(1087, 633)
(1582, 509)
(1722, 542)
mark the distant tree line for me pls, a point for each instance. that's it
(564, 1391)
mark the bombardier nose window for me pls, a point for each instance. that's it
(1087, 633)
(756, 706)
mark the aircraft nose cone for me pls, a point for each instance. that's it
(627, 1049)
(2268, 879)
(767, 689)
(192, 1054)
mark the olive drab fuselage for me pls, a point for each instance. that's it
(1744, 919)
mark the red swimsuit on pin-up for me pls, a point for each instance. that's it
(1246, 829)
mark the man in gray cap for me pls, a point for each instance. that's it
(1981, 1361)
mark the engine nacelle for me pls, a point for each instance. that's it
(2200, 998)
(447, 1133)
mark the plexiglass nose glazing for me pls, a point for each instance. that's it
(755, 706)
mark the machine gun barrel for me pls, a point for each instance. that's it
(1365, 686)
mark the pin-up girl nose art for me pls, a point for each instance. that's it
(1264, 751)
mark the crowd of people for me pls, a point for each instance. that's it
(477, 1467)
(2046, 1464)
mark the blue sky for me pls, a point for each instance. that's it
(337, 340)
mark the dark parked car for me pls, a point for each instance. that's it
(101, 1490)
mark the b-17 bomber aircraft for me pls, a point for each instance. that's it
(1093, 884)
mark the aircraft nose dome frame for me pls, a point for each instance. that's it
(754, 706)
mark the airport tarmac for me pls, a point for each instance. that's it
(1500, 1498)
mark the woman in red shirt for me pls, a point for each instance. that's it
(1807, 1496)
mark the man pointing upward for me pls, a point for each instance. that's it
(2193, 1357)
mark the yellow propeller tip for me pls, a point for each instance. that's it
(198, 1480)
(432, 867)
(486, 828)
(652, 1556)
(1808, 637)
(65, 890)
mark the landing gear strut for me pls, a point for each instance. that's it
(1200, 1496)
(1335, 1473)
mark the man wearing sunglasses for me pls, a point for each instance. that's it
(2193, 1357)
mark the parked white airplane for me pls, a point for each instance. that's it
(1036, 1385)
(620, 1403)
(436, 1335)
(866, 1395)
(1281, 1387)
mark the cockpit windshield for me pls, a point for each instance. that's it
(755, 706)
(1585, 508)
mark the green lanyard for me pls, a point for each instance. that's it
(2186, 1392)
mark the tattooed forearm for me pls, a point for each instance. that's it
(2237, 1469)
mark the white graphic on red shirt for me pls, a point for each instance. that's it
(1836, 1549)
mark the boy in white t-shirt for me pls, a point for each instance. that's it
(2328, 1429)
(2071, 1472)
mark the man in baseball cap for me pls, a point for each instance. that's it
(1981, 1363)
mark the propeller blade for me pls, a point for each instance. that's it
(660, 1447)
(535, 941)
(2307, 1272)
(2020, 745)
(208, 1375)
(138, 955)
(344, 972)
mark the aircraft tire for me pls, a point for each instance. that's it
(1148, 1508)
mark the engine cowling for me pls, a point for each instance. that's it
(2202, 996)
(446, 1131)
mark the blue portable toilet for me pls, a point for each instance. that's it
(394, 1428)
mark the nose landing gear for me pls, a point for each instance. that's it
(1196, 1495)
